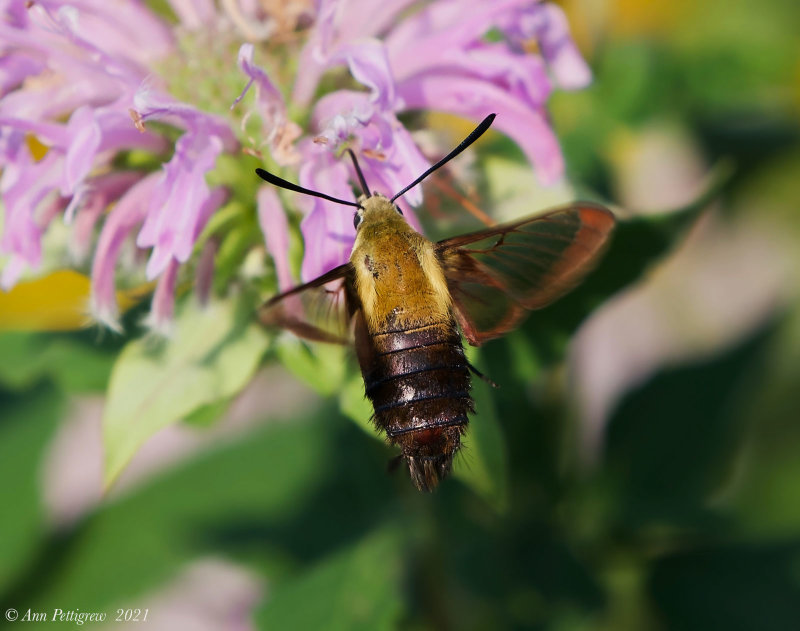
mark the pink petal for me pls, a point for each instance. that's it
(163, 305)
(369, 65)
(86, 136)
(100, 192)
(366, 18)
(474, 99)
(96, 131)
(120, 29)
(152, 104)
(12, 271)
(272, 219)
(442, 26)
(162, 308)
(328, 231)
(548, 25)
(14, 69)
(24, 185)
(175, 207)
(268, 93)
(129, 211)
(339, 23)
(194, 14)
(279, 132)
(350, 119)
(314, 56)
(49, 134)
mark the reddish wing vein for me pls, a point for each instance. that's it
(496, 275)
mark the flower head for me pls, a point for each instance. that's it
(139, 116)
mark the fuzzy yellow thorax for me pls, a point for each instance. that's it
(398, 277)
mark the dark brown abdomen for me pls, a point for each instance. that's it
(418, 381)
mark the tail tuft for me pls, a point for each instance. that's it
(427, 471)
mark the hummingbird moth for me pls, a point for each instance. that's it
(405, 301)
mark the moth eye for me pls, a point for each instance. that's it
(397, 208)
(357, 220)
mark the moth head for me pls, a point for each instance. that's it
(376, 207)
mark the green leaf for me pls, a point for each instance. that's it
(233, 250)
(512, 188)
(26, 424)
(207, 415)
(524, 361)
(630, 79)
(354, 404)
(674, 442)
(735, 587)
(767, 490)
(483, 462)
(321, 366)
(358, 588)
(75, 365)
(246, 499)
(211, 356)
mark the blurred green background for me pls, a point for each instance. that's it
(637, 469)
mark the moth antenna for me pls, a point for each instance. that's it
(362, 181)
(474, 135)
(279, 181)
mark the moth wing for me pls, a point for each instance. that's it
(495, 276)
(320, 310)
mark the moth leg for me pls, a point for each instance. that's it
(478, 373)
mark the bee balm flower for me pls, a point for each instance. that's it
(118, 121)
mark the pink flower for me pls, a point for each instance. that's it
(436, 59)
(175, 214)
(138, 114)
(440, 59)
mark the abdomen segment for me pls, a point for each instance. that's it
(418, 381)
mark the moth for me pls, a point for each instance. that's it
(405, 301)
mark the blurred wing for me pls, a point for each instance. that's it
(319, 310)
(496, 275)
